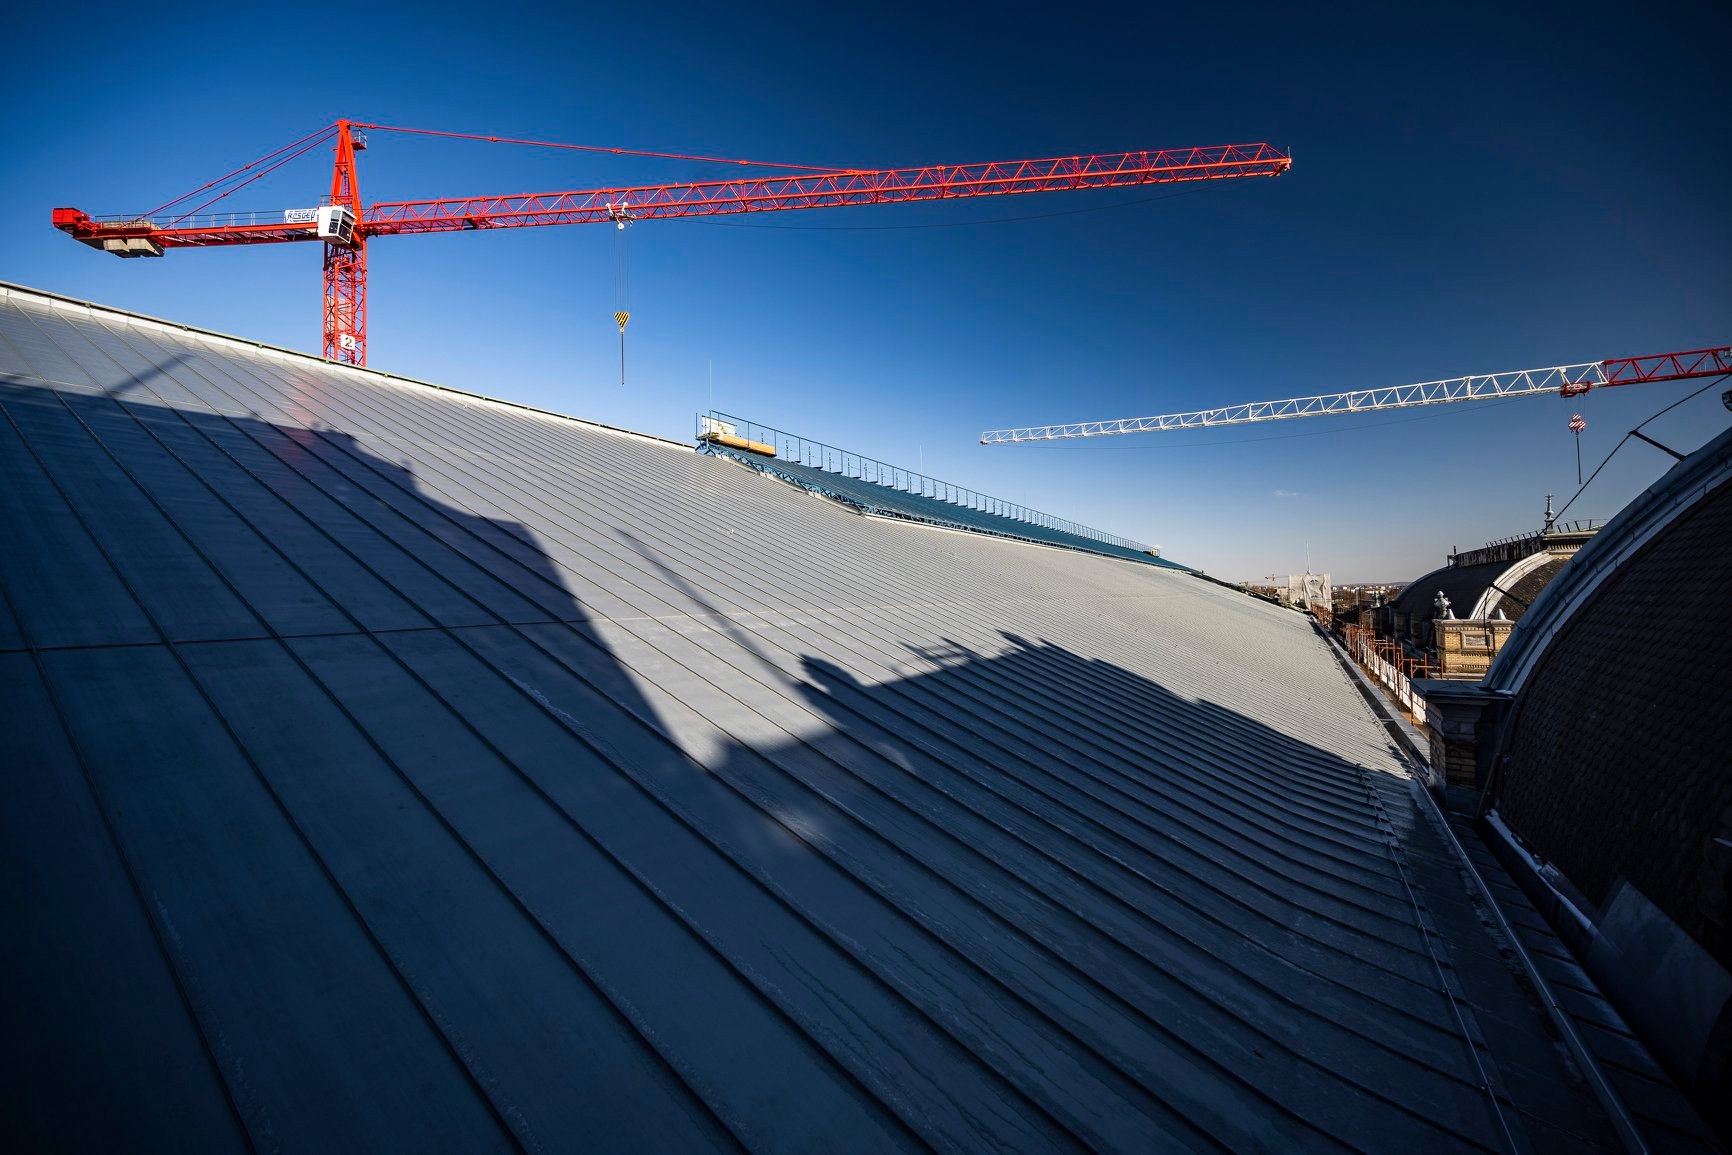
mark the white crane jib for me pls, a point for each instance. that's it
(1565, 380)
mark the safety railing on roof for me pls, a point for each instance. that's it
(1558, 527)
(717, 428)
(1518, 546)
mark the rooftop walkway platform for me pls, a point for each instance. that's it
(887, 490)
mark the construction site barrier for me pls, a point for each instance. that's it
(1382, 659)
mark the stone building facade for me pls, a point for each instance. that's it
(1453, 621)
(1465, 648)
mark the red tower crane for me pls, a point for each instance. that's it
(345, 227)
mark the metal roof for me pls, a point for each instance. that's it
(388, 767)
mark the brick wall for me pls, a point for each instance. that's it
(1454, 760)
(1465, 648)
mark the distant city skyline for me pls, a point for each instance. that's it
(1463, 199)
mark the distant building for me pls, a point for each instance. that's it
(1307, 591)
(1454, 620)
(1362, 599)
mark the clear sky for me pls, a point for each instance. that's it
(1474, 189)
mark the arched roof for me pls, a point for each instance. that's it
(1479, 591)
(1515, 589)
(1461, 584)
(1645, 520)
(1612, 764)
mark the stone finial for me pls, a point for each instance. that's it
(1441, 605)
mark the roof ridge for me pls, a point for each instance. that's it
(12, 289)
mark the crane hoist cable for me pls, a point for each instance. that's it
(621, 215)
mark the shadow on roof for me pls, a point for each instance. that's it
(336, 818)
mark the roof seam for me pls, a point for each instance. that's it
(612, 757)
(488, 457)
(408, 781)
(300, 833)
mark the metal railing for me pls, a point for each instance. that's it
(831, 459)
(1518, 546)
(1583, 526)
(1383, 660)
(173, 220)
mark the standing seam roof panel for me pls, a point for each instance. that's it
(897, 836)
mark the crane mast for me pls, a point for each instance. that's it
(1564, 380)
(345, 312)
(345, 227)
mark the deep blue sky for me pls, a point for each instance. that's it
(1473, 189)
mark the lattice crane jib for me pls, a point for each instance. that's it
(345, 226)
(1564, 380)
